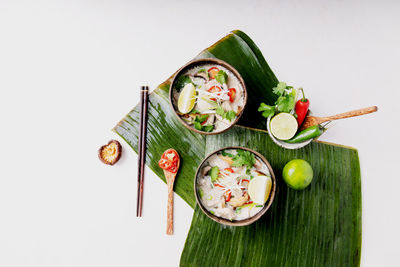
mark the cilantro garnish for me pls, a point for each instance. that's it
(221, 77)
(202, 70)
(266, 110)
(201, 118)
(248, 172)
(194, 111)
(208, 128)
(226, 154)
(198, 120)
(182, 81)
(229, 115)
(243, 157)
(285, 102)
(280, 88)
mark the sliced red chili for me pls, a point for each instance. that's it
(212, 72)
(229, 170)
(164, 164)
(169, 161)
(170, 154)
(228, 195)
(218, 185)
(173, 169)
(232, 94)
(214, 89)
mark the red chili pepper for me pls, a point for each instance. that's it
(214, 89)
(228, 195)
(229, 170)
(248, 202)
(212, 72)
(302, 108)
(218, 185)
(232, 94)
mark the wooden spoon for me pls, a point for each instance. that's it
(170, 177)
(311, 120)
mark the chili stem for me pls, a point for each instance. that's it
(304, 99)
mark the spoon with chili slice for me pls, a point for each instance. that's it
(169, 162)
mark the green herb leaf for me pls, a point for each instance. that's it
(198, 126)
(280, 88)
(267, 110)
(220, 111)
(285, 103)
(208, 128)
(243, 157)
(201, 118)
(198, 120)
(194, 111)
(230, 115)
(248, 172)
(226, 154)
(182, 81)
(221, 77)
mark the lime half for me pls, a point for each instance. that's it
(259, 189)
(283, 126)
(187, 98)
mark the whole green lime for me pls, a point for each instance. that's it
(298, 174)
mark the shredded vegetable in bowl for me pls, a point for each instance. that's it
(234, 184)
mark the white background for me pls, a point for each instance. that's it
(70, 70)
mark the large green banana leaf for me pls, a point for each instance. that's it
(319, 226)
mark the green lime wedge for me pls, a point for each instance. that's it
(187, 98)
(259, 189)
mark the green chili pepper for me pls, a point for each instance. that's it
(307, 134)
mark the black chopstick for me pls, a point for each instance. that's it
(144, 91)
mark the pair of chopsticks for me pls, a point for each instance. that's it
(144, 93)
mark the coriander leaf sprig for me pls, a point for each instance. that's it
(266, 110)
(198, 123)
(229, 115)
(242, 157)
(285, 102)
